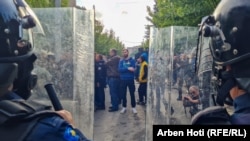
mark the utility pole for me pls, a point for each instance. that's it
(57, 3)
(94, 11)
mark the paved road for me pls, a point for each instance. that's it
(129, 127)
(114, 126)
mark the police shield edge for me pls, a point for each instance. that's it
(171, 73)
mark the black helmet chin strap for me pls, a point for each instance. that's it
(224, 90)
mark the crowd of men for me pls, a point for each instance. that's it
(120, 73)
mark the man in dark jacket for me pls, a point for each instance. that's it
(22, 119)
(113, 77)
(100, 82)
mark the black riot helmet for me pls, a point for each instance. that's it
(229, 31)
(16, 44)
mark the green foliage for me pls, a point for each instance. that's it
(180, 12)
(145, 43)
(46, 3)
(105, 40)
(167, 13)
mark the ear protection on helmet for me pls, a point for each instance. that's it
(25, 81)
(211, 28)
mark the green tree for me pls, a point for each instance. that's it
(167, 13)
(46, 3)
(145, 43)
(105, 40)
(179, 12)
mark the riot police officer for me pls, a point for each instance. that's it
(21, 119)
(229, 31)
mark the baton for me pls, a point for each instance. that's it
(53, 97)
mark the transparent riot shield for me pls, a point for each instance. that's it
(63, 59)
(185, 86)
(172, 54)
(159, 68)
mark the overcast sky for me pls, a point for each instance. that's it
(125, 17)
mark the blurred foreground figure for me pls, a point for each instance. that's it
(229, 32)
(20, 119)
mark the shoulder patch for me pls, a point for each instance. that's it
(70, 134)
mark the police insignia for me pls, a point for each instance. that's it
(70, 134)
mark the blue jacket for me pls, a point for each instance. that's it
(55, 129)
(242, 110)
(50, 128)
(125, 74)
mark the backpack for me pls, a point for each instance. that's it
(18, 117)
